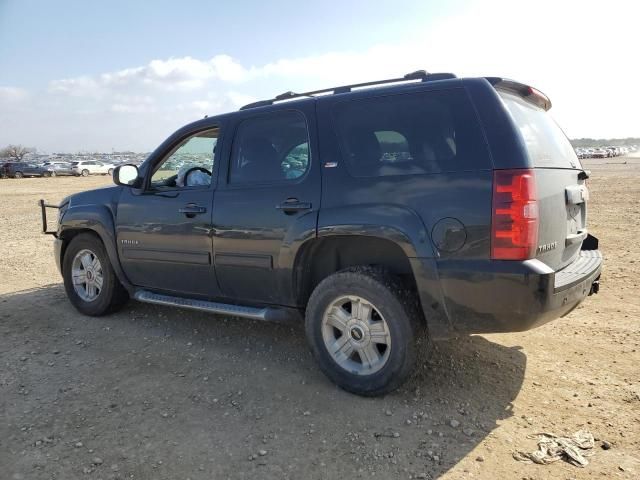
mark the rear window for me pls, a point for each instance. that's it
(545, 141)
(408, 134)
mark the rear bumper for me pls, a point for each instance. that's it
(502, 296)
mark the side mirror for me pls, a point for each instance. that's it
(125, 175)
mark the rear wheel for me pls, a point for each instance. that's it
(18, 175)
(89, 280)
(85, 173)
(46, 174)
(362, 326)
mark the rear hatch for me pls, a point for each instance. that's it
(560, 180)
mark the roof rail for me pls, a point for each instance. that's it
(420, 75)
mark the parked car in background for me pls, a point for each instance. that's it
(22, 169)
(57, 168)
(600, 153)
(91, 167)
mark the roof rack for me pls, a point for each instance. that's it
(420, 75)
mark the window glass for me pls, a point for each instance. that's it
(270, 148)
(295, 162)
(190, 164)
(405, 134)
(546, 143)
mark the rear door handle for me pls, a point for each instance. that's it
(191, 210)
(293, 205)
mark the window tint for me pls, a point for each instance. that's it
(270, 148)
(546, 143)
(190, 164)
(406, 134)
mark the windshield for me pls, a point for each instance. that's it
(546, 143)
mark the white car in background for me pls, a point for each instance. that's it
(91, 167)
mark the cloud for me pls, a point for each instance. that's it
(12, 94)
(185, 73)
(133, 104)
(239, 99)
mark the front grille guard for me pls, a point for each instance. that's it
(43, 210)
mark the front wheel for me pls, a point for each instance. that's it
(362, 326)
(18, 175)
(111, 172)
(89, 280)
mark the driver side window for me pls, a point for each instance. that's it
(190, 164)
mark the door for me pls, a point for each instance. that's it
(33, 169)
(164, 229)
(267, 205)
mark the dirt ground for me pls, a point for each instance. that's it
(159, 393)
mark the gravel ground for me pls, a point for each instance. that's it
(159, 393)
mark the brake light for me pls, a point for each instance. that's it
(539, 98)
(514, 221)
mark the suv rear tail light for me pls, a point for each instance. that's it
(514, 221)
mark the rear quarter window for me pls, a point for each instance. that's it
(408, 134)
(546, 143)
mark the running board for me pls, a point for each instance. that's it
(268, 314)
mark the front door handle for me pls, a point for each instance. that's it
(293, 205)
(191, 210)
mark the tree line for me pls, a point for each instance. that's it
(15, 152)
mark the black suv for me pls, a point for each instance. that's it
(385, 213)
(23, 169)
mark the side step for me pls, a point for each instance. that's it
(268, 314)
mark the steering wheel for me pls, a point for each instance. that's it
(193, 169)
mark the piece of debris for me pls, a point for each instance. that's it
(552, 448)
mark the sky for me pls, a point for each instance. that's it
(123, 75)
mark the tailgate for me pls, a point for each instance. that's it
(562, 205)
(560, 181)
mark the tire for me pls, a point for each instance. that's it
(18, 175)
(391, 303)
(85, 173)
(53, 174)
(46, 174)
(111, 296)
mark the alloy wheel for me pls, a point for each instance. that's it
(356, 335)
(87, 276)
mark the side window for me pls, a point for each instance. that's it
(189, 164)
(270, 148)
(420, 133)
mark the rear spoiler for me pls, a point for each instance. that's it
(528, 93)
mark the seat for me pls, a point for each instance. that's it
(365, 152)
(259, 161)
